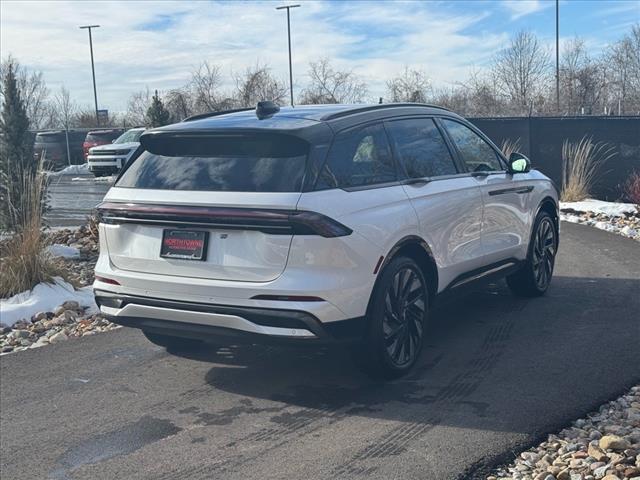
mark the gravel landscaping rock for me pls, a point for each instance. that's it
(603, 446)
(85, 239)
(69, 320)
(627, 225)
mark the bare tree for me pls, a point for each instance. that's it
(85, 117)
(484, 98)
(65, 108)
(257, 84)
(179, 102)
(137, 107)
(328, 85)
(455, 98)
(521, 70)
(205, 86)
(410, 86)
(582, 80)
(623, 59)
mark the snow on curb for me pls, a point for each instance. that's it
(65, 251)
(44, 297)
(71, 170)
(612, 209)
(620, 218)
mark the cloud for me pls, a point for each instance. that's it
(158, 43)
(522, 8)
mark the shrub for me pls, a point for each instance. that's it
(631, 188)
(24, 260)
(16, 154)
(580, 164)
(509, 146)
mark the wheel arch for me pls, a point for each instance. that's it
(416, 248)
(549, 205)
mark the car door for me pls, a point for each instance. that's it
(506, 198)
(447, 201)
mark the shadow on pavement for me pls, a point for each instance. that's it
(491, 361)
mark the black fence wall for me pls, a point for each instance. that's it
(541, 139)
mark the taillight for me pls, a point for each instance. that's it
(285, 222)
(309, 223)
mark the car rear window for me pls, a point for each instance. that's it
(49, 138)
(260, 163)
(106, 136)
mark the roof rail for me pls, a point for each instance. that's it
(215, 114)
(367, 108)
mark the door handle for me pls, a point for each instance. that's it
(518, 190)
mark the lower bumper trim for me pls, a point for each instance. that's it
(206, 321)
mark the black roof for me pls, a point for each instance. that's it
(294, 118)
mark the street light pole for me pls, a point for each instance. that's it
(289, 7)
(93, 71)
(558, 57)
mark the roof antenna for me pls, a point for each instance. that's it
(266, 110)
(380, 101)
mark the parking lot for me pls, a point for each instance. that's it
(497, 374)
(73, 197)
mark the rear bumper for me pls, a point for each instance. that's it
(216, 322)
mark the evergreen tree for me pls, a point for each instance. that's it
(17, 164)
(157, 115)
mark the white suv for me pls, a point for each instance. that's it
(110, 158)
(334, 223)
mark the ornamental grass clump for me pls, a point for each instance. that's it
(24, 259)
(510, 146)
(631, 188)
(580, 167)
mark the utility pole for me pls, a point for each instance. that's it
(93, 71)
(558, 57)
(289, 7)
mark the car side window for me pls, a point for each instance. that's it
(421, 148)
(476, 153)
(358, 158)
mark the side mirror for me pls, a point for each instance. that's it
(518, 163)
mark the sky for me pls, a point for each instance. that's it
(156, 44)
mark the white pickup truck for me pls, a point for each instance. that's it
(110, 158)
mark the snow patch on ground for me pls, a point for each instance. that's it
(43, 298)
(72, 170)
(109, 179)
(612, 209)
(65, 251)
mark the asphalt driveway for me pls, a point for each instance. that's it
(497, 374)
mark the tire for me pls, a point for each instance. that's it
(397, 316)
(533, 279)
(173, 344)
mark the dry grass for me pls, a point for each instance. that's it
(509, 146)
(631, 188)
(24, 260)
(92, 225)
(580, 164)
